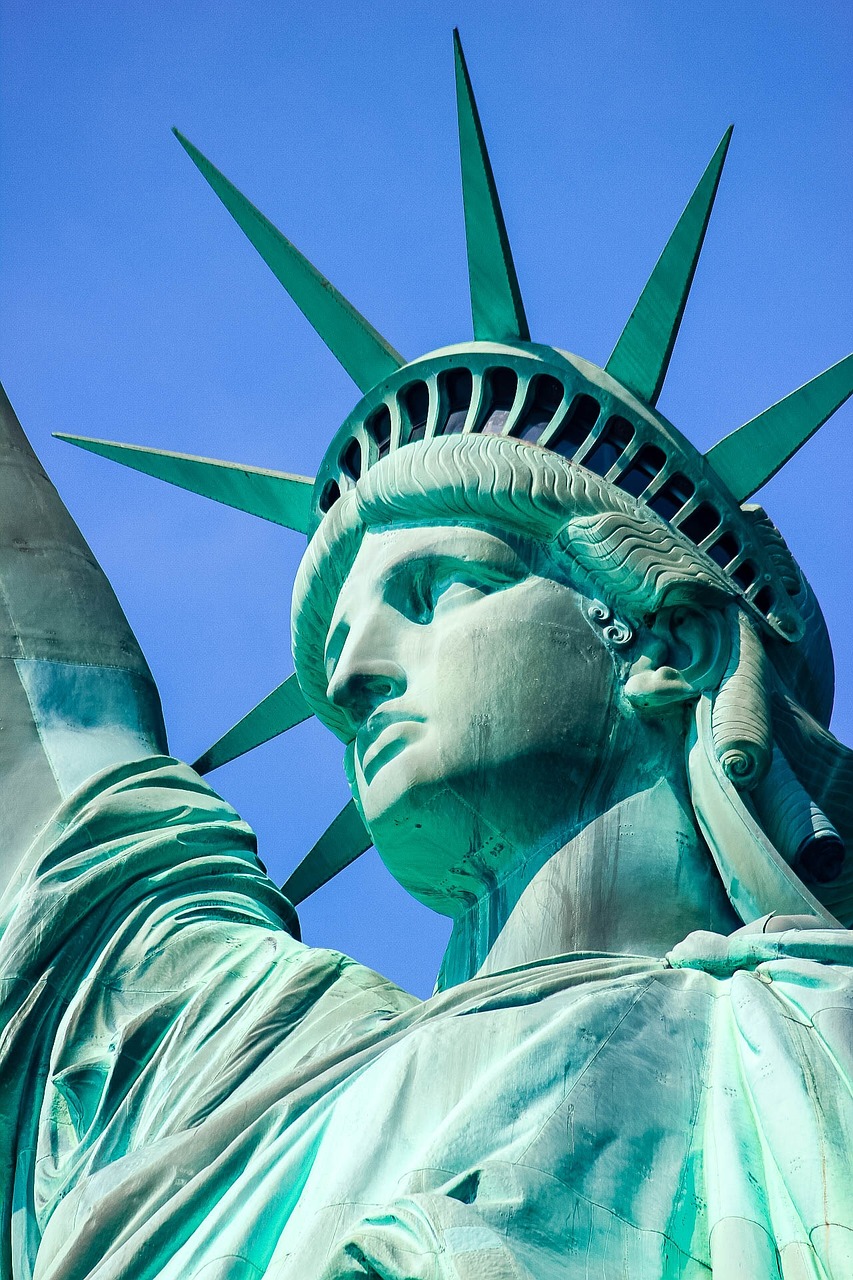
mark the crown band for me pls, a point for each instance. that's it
(560, 402)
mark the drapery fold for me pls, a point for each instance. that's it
(186, 1090)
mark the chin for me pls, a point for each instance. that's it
(399, 796)
(425, 831)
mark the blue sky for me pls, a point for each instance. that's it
(133, 309)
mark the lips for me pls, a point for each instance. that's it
(385, 734)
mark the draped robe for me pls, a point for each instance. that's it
(186, 1090)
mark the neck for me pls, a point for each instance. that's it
(635, 880)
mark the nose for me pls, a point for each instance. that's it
(366, 675)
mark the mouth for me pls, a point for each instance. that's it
(383, 737)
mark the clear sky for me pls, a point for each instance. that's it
(133, 309)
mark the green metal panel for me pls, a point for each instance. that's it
(496, 303)
(363, 352)
(748, 457)
(274, 715)
(74, 682)
(345, 840)
(273, 495)
(641, 357)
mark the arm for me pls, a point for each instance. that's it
(76, 694)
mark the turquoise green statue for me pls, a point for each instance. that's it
(584, 690)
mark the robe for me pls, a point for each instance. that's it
(188, 1092)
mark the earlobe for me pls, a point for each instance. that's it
(652, 686)
(683, 654)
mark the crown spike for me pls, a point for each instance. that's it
(272, 495)
(641, 357)
(496, 303)
(346, 839)
(748, 457)
(363, 352)
(279, 711)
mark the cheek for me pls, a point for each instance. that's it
(516, 684)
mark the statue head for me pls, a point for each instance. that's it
(506, 642)
(522, 581)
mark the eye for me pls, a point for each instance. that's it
(455, 591)
(420, 589)
(432, 594)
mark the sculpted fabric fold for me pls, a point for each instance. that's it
(184, 1055)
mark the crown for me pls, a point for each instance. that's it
(502, 383)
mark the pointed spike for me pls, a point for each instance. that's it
(273, 495)
(641, 357)
(345, 840)
(748, 457)
(274, 715)
(363, 352)
(495, 295)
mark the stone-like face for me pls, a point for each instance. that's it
(481, 698)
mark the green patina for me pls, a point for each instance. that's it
(274, 714)
(641, 356)
(273, 495)
(362, 351)
(584, 694)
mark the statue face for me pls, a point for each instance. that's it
(481, 699)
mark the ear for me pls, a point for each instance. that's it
(683, 653)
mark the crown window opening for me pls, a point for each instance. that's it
(458, 388)
(610, 445)
(503, 384)
(764, 600)
(701, 522)
(351, 459)
(644, 468)
(547, 398)
(745, 574)
(724, 550)
(580, 420)
(378, 427)
(672, 496)
(416, 402)
(329, 496)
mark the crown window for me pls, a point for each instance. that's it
(458, 386)
(503, 384)
(671, 497)
(582, 417)
(765, 600)
(351, 459)
(648, 463)
(610, 445)
(546, 400)
(724, 550)
(330, 495)
(745, 574)
(416, 401)
(379, 429)
(700, 523)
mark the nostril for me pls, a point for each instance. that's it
(359, 693)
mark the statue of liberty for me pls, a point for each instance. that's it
(584, 690)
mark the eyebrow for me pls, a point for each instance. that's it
(490, 551)
(437, 561)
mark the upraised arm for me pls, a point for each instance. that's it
(76, 694)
